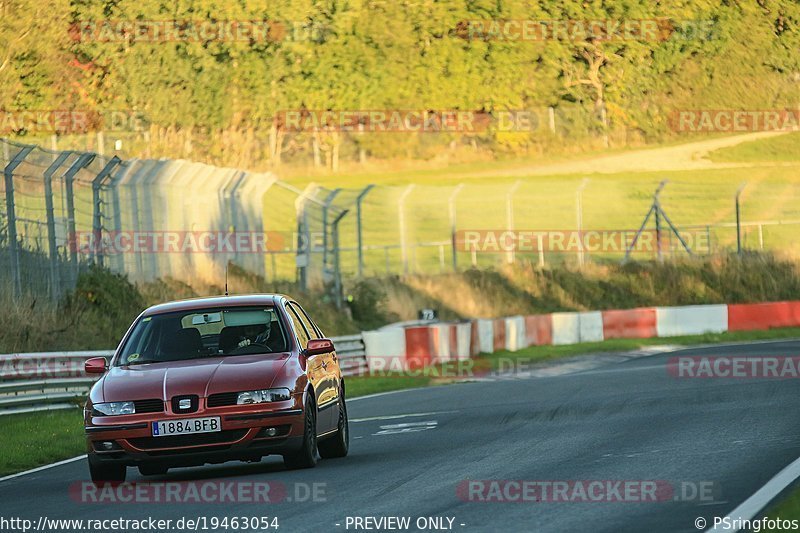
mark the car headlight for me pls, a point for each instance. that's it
(114, 408)
(263, 396)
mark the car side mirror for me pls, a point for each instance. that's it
(95, 365)
(318, 346)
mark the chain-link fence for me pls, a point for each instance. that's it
(150, 219)
(435, 228)
(49, 198)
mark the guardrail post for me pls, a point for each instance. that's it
(13, 244)
(52, 248)
(97, 223)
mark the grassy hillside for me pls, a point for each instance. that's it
(698, 200)
(785, 148)
(97, 314)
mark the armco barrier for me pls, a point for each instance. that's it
(691, 320)
(44, 381)
(630, 323)
(744, 317)
(56, 380)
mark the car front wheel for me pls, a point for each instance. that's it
(306, 457)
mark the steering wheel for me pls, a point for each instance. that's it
(242, 349)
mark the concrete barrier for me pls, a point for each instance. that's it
(385, 349)
(566, 328)
(538, 330)
(419, 347)
(463, 340)
(745, 317)
(515, 333)
(445, 342)
(499, 342)
(590, 326)
(691, 320)
(485, 336)
(637, 323)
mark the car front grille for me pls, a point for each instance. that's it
(149, 406)
(178, 441)
(222, 399)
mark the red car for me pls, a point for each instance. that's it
(210, 380)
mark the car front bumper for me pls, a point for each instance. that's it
(246, 433)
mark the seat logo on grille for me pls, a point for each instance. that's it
(184, 404)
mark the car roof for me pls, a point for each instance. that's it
(237, 300)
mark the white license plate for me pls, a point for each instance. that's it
(186, 426)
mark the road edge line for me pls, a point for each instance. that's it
(748, 509)
(40, 468)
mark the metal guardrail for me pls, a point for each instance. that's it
(48, 381)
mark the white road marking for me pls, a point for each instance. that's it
(40, 468)
(408, 427)
(394, 417)
(753, 505)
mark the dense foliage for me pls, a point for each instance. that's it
(219, 100)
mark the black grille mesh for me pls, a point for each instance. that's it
(222, 399)
(149, 406)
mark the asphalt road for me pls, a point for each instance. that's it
(624, 421)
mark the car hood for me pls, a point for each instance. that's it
(202, 377)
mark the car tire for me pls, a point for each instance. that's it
(338, 444)
(306, 457)
(106, 473)
(152, 470)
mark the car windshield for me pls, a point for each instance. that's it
(198, 333)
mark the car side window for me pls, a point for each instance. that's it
(299, 328)
(312, 330)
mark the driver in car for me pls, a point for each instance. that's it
(255, 334)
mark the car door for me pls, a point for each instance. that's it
(331, 364)
(315, 370)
